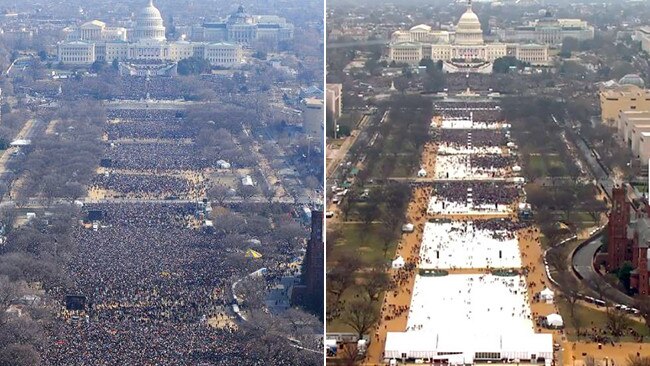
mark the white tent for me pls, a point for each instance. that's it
(422, 173)
(247, 181)
(546, 295)
(408, 228)
(554, 320)
(518, 180)
(20, 143)
(222, 164)
(331, 345)
(516, 168)
(399, 262)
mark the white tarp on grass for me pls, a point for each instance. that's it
(459, 167)
(446, 148)
(438, 205)
(470, 302)
(459, 244)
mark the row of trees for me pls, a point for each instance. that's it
(61, 165)
(32, 260)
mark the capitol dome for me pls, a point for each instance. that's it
(632, 79)
(149, 12)
(468, 29)
(149, 24)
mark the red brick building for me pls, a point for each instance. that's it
(617, 240)
(628, 235)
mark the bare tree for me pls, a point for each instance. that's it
(643, 305)
(341, 275)
(219, 193)
(350, 354)
(361, 316)
(378, 281)
(617, 322)
(247, 192)
(369, 213)
(345, 206)
(571, 289)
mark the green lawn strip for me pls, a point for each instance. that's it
(592, 318)
(366, 240)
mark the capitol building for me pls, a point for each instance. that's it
(462, 50)
(94, 41)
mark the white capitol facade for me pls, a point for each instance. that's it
(462, 50)
(94, 41)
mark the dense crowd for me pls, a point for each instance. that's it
(477, 138)
(479, 111)
(135, 88)
(159, 156)
(501, 225)
(481, 192)
(492, 161)
(151, 283)
(137, 185)
(147, 124)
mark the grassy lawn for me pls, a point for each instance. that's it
(592, 318)
(544, 162)
(368, 243)
(365, 240)
(336, 144)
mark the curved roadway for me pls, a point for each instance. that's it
(583, 257)
(582, 262)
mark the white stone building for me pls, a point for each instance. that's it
(93, 41)
(548, 30)
(462, 50)
(643, 35)
(246, 29)
(96, 31)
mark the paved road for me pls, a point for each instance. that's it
(583, 264)
(582, 260)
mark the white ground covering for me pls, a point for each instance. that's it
(466, 124)
(458, 167)
(472, 303)
(459, 346)
(455, 149)
(438, 205)
(458, 244)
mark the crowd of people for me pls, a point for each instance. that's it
(152, 281)
(143, 185)
(159, 156)
(481, 192)
(156, 277)
(488, 112)
(477, 138)
(492, 161)
(147, 124)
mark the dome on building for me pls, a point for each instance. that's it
(469, 20)
(421, 27)
(149, 12)
(149, 24)
(632, 79)
(468, 29)
(240, 17)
